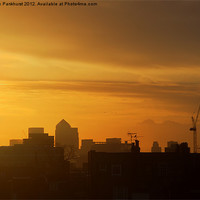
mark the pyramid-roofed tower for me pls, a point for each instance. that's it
(66, 136)
(64, 124)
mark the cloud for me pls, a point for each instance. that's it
(173, 96)
(134, 34)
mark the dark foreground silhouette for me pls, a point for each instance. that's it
(36, 169)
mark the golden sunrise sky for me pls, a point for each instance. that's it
(118, 67)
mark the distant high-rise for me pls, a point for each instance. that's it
(172, 146)
(36, 136)
(66, 136)
(177, 148)
(15, 141)
(155, 147)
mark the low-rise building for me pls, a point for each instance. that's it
(135, 175)
(111, 145)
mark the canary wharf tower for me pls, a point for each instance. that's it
(66, 136)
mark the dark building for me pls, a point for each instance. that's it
(111, 145)
(135, 147)
(155, 148)
(36, 136)
(175, 147)
(15, 141)
(67, 137)
(37, 151)
(144, 175)
(27, 170)
(27, 157)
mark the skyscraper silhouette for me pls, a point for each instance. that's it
(155, 147)
(67, 137)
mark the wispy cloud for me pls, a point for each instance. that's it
(177, 95)
(134, 34)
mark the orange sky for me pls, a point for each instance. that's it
(107, 70)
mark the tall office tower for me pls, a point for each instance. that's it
(67, 137)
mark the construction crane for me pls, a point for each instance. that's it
(194, 129)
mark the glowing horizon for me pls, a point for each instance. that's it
(105, 70)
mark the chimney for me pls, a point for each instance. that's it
(135, 147)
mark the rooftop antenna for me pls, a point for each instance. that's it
(194, 129)
(133, 136)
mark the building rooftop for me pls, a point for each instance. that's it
(64, 124)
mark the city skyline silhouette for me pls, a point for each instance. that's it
(105, 70)
(44, 167)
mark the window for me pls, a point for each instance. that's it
(102, 167)
(163, 171)
(116, 170)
